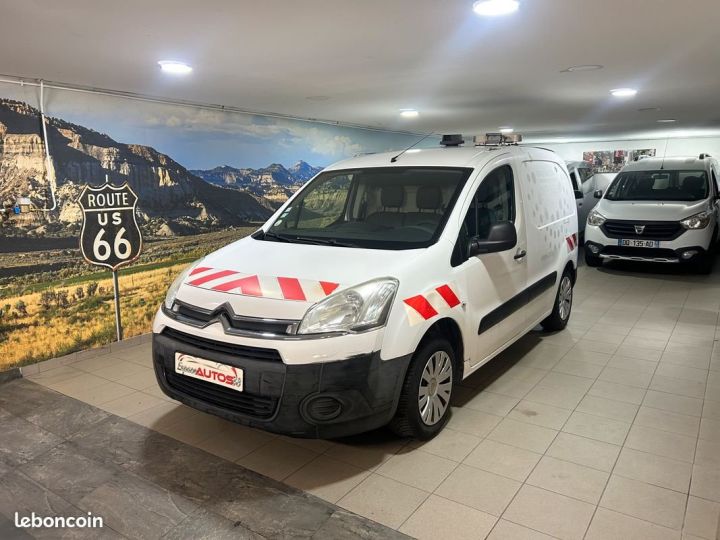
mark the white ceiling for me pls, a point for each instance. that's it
(373, 57)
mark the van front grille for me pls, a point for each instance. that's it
(241, 351)
(651, 230)
(225, 398)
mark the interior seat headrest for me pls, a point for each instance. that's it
(429, 198)
(392, 196)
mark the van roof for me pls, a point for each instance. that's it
(463, 156)
(670, 163)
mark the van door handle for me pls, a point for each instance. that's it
(520, 255)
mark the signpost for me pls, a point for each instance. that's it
(110, 234)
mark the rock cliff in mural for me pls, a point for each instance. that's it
(172, 199)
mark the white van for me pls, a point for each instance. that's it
(373, 291)
(584, 186)
(658, 210)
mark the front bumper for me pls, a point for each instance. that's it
(317, 400)
(689, 247)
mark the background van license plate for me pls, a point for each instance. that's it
(640, 243)
(209, 371)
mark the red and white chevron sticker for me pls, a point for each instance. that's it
(277, 287)
(572, 242)
(431, 303)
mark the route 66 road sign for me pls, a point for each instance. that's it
(110, 234)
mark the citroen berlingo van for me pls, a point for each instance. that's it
(661, 210)
(373, 291)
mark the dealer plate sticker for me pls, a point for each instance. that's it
(207, 370)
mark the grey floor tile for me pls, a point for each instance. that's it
(135, 507)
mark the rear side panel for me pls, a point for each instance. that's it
(552, 230)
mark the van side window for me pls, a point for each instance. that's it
(493, 202)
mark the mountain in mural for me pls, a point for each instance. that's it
(274, 182)
(171, 198)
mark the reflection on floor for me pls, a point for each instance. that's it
(609, 429)
(62, 457)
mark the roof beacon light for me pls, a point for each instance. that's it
(452, 140)
(497, 139)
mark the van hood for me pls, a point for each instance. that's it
(650, 210)
(281, 280)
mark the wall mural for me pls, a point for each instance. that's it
(611, 161)
(203, 177)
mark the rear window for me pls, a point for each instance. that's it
(659, 186)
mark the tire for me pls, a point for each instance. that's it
(706, 262)
(562, 307)
(592, 260)
(434, 357)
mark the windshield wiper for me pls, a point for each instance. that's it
(323, 241)
(275, 236)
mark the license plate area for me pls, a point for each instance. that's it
(628, 242)
(209, 371)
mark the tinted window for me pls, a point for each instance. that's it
(493, 202)
(659, 186)
(382, 208)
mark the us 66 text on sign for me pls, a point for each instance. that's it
(110, 234)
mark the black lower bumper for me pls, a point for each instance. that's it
(660, 255)
(323, 400)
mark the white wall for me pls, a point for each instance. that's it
(688, 146)
(691, 146)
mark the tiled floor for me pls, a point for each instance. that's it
(609, 429)
(60, 457)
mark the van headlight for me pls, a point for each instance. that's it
(595, 218)
(698, 221)
(358, 308)
(175, 287)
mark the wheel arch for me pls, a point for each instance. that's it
(449, 329)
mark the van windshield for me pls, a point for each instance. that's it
(659, 186)
(377, 208)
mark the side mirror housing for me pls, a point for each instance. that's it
(598, 194)
(578, 194)
(502, 236)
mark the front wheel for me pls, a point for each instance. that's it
(560, 315)
(424, 405)
(592, 260)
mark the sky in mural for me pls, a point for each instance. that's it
(201, 138)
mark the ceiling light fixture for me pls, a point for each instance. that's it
(583, 67)
(506, 130)
(623, 92)
(666, 121)
(174, 67)
(493, 8)
(409, 113)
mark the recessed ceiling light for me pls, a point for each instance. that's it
(667, 120)
(174, 67)
(492, 8)
(623, 92)
(409, 113)
(583, 67)
(506, 130)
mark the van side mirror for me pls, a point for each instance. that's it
(598, 194)
(578, 194)
(502, 236)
